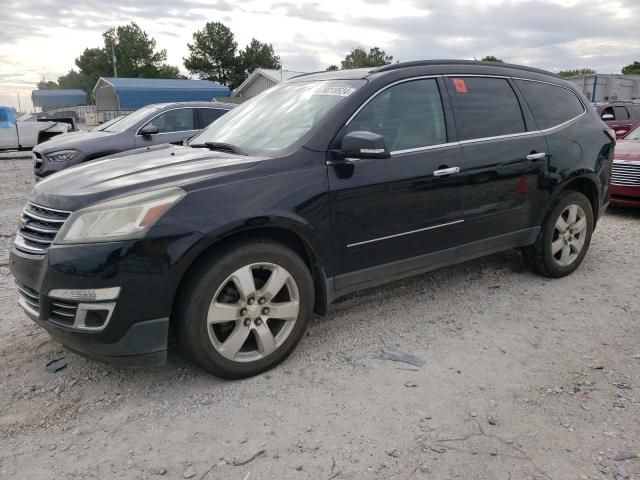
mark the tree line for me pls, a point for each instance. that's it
(213, 55)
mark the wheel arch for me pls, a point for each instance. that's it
(585, 183)
(276, 233)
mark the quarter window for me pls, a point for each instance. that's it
(487, 107)
(550, 105)
(408, 115)
(179, 120)
(621, 113)
(209, 115)
(635, 111)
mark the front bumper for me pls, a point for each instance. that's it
(628, 196)
(135, 325)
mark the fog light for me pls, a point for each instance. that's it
(88, 295)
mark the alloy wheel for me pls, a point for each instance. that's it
(253, 312)
(569, 235)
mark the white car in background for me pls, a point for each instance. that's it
(27, 131)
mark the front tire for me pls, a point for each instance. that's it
(564, 238)
(243, 310)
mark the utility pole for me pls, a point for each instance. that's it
(19, 107)
(113, 55)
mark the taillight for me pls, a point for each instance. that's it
(611, 133)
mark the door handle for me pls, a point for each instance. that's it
(536, 156)
(445, 171)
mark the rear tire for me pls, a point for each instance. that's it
(245, 308)
(564, 238)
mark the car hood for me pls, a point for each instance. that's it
(133, 172)
(627, 150)
(77, 140)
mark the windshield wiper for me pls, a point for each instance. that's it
(219, 147)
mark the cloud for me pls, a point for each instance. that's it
(43, 37)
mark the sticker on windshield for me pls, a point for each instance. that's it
(336, 91)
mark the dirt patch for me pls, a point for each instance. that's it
(525, 378)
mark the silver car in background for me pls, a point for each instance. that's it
(150, 125)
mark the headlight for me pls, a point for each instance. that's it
(62, 155)
(120, 219)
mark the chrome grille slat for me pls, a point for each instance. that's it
(64, 314)
(29, 296)
(67, 306)
(38, 228)
(625, 174)
(35, 239)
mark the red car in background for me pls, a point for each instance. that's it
(625, 175)
(621, 116)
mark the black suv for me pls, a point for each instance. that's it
(325, 184)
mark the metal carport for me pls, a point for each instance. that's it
(133, 93)
(52, 99)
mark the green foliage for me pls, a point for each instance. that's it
(71, 81)
(47, 85)
(632, 69)
(135, 51)
(491, 58)
(359, 58)
(332, 67)
(214, 55)
(136, 56)
(258, 55)
(576, 71)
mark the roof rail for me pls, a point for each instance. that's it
(428, 63)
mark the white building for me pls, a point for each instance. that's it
(260, 80)
(608, 87)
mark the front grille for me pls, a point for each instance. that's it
(625, 173)
(38, 227)
(30, 297)
(63, 311)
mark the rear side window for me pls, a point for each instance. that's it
(621, 113)
(550, 105)
(635, 111)
(209, 115)
(488, 107)
(178, 120)
(408, 115)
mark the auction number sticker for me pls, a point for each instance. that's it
(460, 86)
(336, 91)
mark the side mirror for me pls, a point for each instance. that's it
(361, 145)
(148, 130)
(607, 116)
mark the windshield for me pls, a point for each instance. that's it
(130, 120)
(106, 125)
(279, 117)
(633, 134)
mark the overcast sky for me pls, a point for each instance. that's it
(43, 37)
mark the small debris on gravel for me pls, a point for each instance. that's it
(621, 473)
(492, 421)
(438, 448)
(239, 463)
(158, 471)
(410, 384)
(395, 453)
(189, 472)
(623, 386)
(398, 356)
(56, 365)
(622, 456)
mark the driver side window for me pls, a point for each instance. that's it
(408, 115)
(179, 120)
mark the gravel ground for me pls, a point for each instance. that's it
(525, 378)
